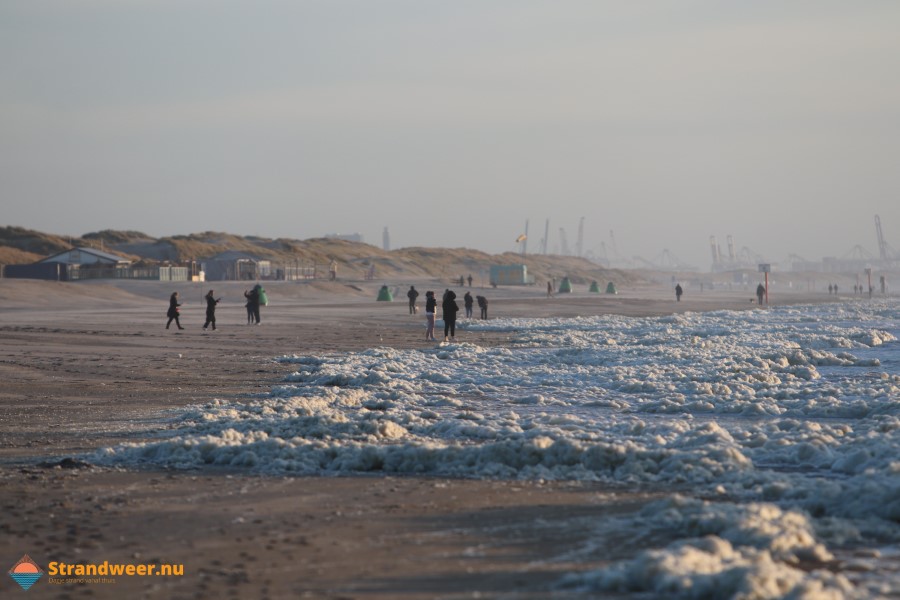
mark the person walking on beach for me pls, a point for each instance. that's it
(482, 304)
(450, 308)
(332, 270)
(549, 289)
(468, 301)
(211, 310)
(430, 309)
(678, 292)
(252, 305)
(412, 294)
(173, 310)
(470, 280)
(760, 292)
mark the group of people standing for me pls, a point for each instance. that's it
(449, 308)
(255, 297)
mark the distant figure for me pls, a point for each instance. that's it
(252, 305)
(370, 275)
(430, 309)
(482, 304)
(249, 310)
(678, 292)
(450, 308)
(412, 294)
(173, 310)
(760, 293)
(467, 300)
(470, 280)
(462, 281)
(211, 310)
(835, 289)
(549, 289)
(883, 285)
(830, 289)
(332, 270)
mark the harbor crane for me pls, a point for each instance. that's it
(885, 252)
(579, 246)
(564, 242)
(545, 243)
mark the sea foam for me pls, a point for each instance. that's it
(793, 413)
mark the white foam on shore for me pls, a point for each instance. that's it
(790, 409)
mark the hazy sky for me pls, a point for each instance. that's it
(453, 122)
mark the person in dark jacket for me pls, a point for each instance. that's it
(412, 294)
(760, 293)
(430, 309)
(678, 292)
(482, 304)
(173, 310)
(450, 308)
(249, 310)
(468, 301)
(211, 310)
(252, 305)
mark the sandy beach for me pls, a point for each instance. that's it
(90, 365)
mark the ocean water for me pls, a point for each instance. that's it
(777, 432)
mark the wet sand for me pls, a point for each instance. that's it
(90, 365)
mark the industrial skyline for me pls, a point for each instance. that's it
(722, 258)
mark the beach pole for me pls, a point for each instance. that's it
(765, 268)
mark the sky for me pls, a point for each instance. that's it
(661, 123)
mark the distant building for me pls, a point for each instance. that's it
(85, 257)
(77, 264)
(350, 237)
(235, 266)
(510, 275)
(72, 265)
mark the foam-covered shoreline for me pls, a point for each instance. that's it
(790, 407)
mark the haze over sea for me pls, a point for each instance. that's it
(773, 432)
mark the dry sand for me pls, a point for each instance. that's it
(89, 365)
